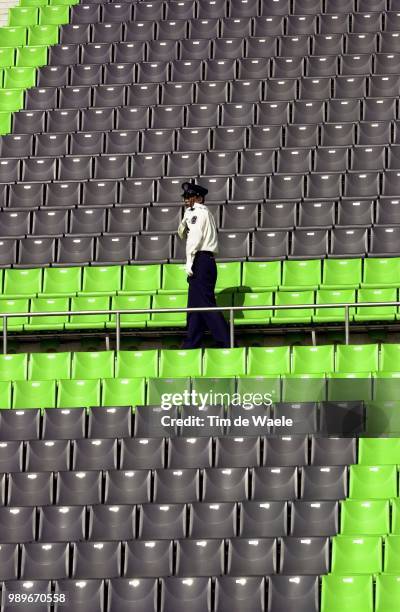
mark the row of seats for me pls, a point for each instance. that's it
(260, 245)
(326, 46)
(117, 86)
(289, 275)
(191, 558)
(377, 417)
(219, 485)
(272, 133)
(284, 215)
(224, 593)
(328, 186)
(142, 165)
(182, 452)
(220, 68)
(263, 316)
(284, 61)
(204, 118)
(179, 452)
(213, 363)
(118, 165)
(231, 26)
(168, 68)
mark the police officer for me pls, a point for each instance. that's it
(198, 227)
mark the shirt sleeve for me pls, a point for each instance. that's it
(195, 237)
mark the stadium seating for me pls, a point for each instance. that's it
(288, 112)
(164, 286)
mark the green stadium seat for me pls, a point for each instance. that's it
(37, 3)
(347, 387)
(379, 451)
(56, 322)
(125, 302)
(365, 517)
(387, 386)
(31, 56)
(136, 364)
(7, 57)
(22, 282)
(387, 593)
(160, 390)
(356, 358)
(19, 77)
(376, 313)
(313, 359)
(301, 315)
(63, 2)
(389, 357)
(303, 388)
(23, 16)
(178, 363)
(215, 390)
(13, 367)
(346, 593)
(93, 364)
(270, 388)
(229, 276)
(268, 361)
(5, 394)
(333, 296)
(382, 417)
(13, 37)
(43, 35)
(373, 481)
(391, 562)
(5, 122)
(396, 516)
(88, 321)
(168, 319)
(59, 282)
(224, 362)
(261, 276)
(246, 317)
(299, 275)
(123, 392)
(381, 272)
(140, 279)
(55, 14)
(356, 554)
(101, 280)
(342, 273)
(8, 306)
(34, 394)
(174, 279)
(78, 393)
(11, 99)
(49, 366)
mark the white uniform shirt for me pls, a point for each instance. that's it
(198, 225)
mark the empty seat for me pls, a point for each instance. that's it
(75, 250)
(384, 241)
(238, 594)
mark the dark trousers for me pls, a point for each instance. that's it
(201, 293)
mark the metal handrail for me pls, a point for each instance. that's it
(232, 309)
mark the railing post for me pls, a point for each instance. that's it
(346, 325)
(231, 329)
(118, 331)
(4, 334)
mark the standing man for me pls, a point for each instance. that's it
(198, 227)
